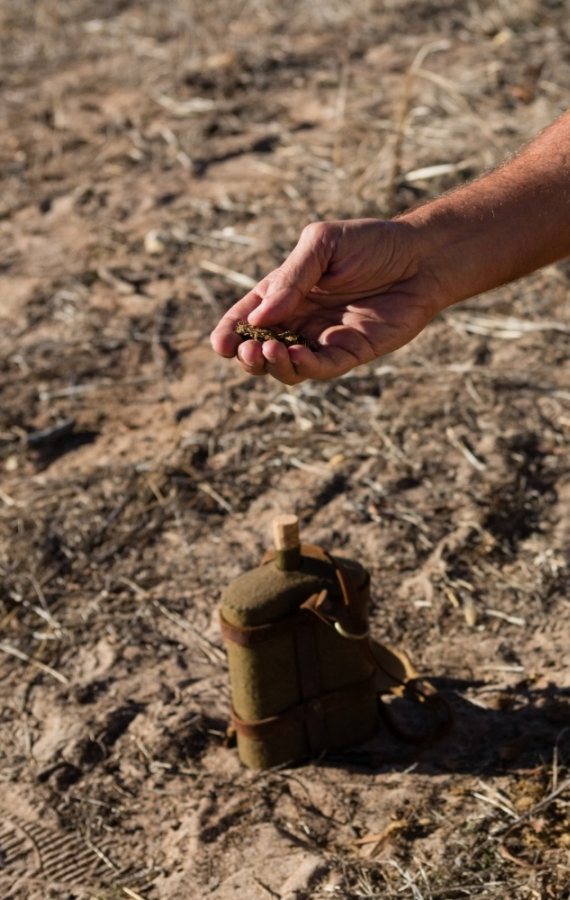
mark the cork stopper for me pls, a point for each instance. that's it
(286, 542)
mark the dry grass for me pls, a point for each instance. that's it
(139, 474)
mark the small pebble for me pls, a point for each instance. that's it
(155, 243)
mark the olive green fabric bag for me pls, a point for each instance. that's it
(305, 676)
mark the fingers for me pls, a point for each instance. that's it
(279, 363)
(251, 359)
(224, 340)
(282, 290)
(276, 297)
(269, 358)
(292, 365)
(329, 362)
(275, 359)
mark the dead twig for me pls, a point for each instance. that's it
(209, 646)
(182, 108)
(13, 651)
(542, 804)
(512, 620)
(436, 171)
(265, 887)
(451, 89)
(402, 117)
(130, 893)
(503, 327)
(238, 278)
(379, 840)
(103, 385)
(9, 501)
(211, 492)
(456, 442)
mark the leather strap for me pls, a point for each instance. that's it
(302, 626)
(257, 634)
(310, 681)
(347, 613)
(440, 710)
(262, 729)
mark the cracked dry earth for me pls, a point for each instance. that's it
(154, 160)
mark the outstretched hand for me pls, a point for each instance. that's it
(366, 287)
(359, 288)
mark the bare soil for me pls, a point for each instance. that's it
(149, 152)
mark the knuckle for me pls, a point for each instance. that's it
(321, 238)
(252, 368)
(316, 231)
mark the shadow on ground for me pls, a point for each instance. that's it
(516, 730)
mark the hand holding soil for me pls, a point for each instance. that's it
(364, 288)
(360, 289)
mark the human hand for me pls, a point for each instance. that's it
(359, 288)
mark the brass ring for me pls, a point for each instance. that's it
(349, 635)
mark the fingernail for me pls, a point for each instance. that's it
(270, 350)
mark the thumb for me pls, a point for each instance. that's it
(286, 286)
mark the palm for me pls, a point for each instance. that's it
(370, 327)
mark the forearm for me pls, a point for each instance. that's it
(503, 226)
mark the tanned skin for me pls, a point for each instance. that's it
(366, 287)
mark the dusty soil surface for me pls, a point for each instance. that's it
(148, 153)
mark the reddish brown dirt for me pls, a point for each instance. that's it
(444, 469)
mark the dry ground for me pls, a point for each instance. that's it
(225, 128)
